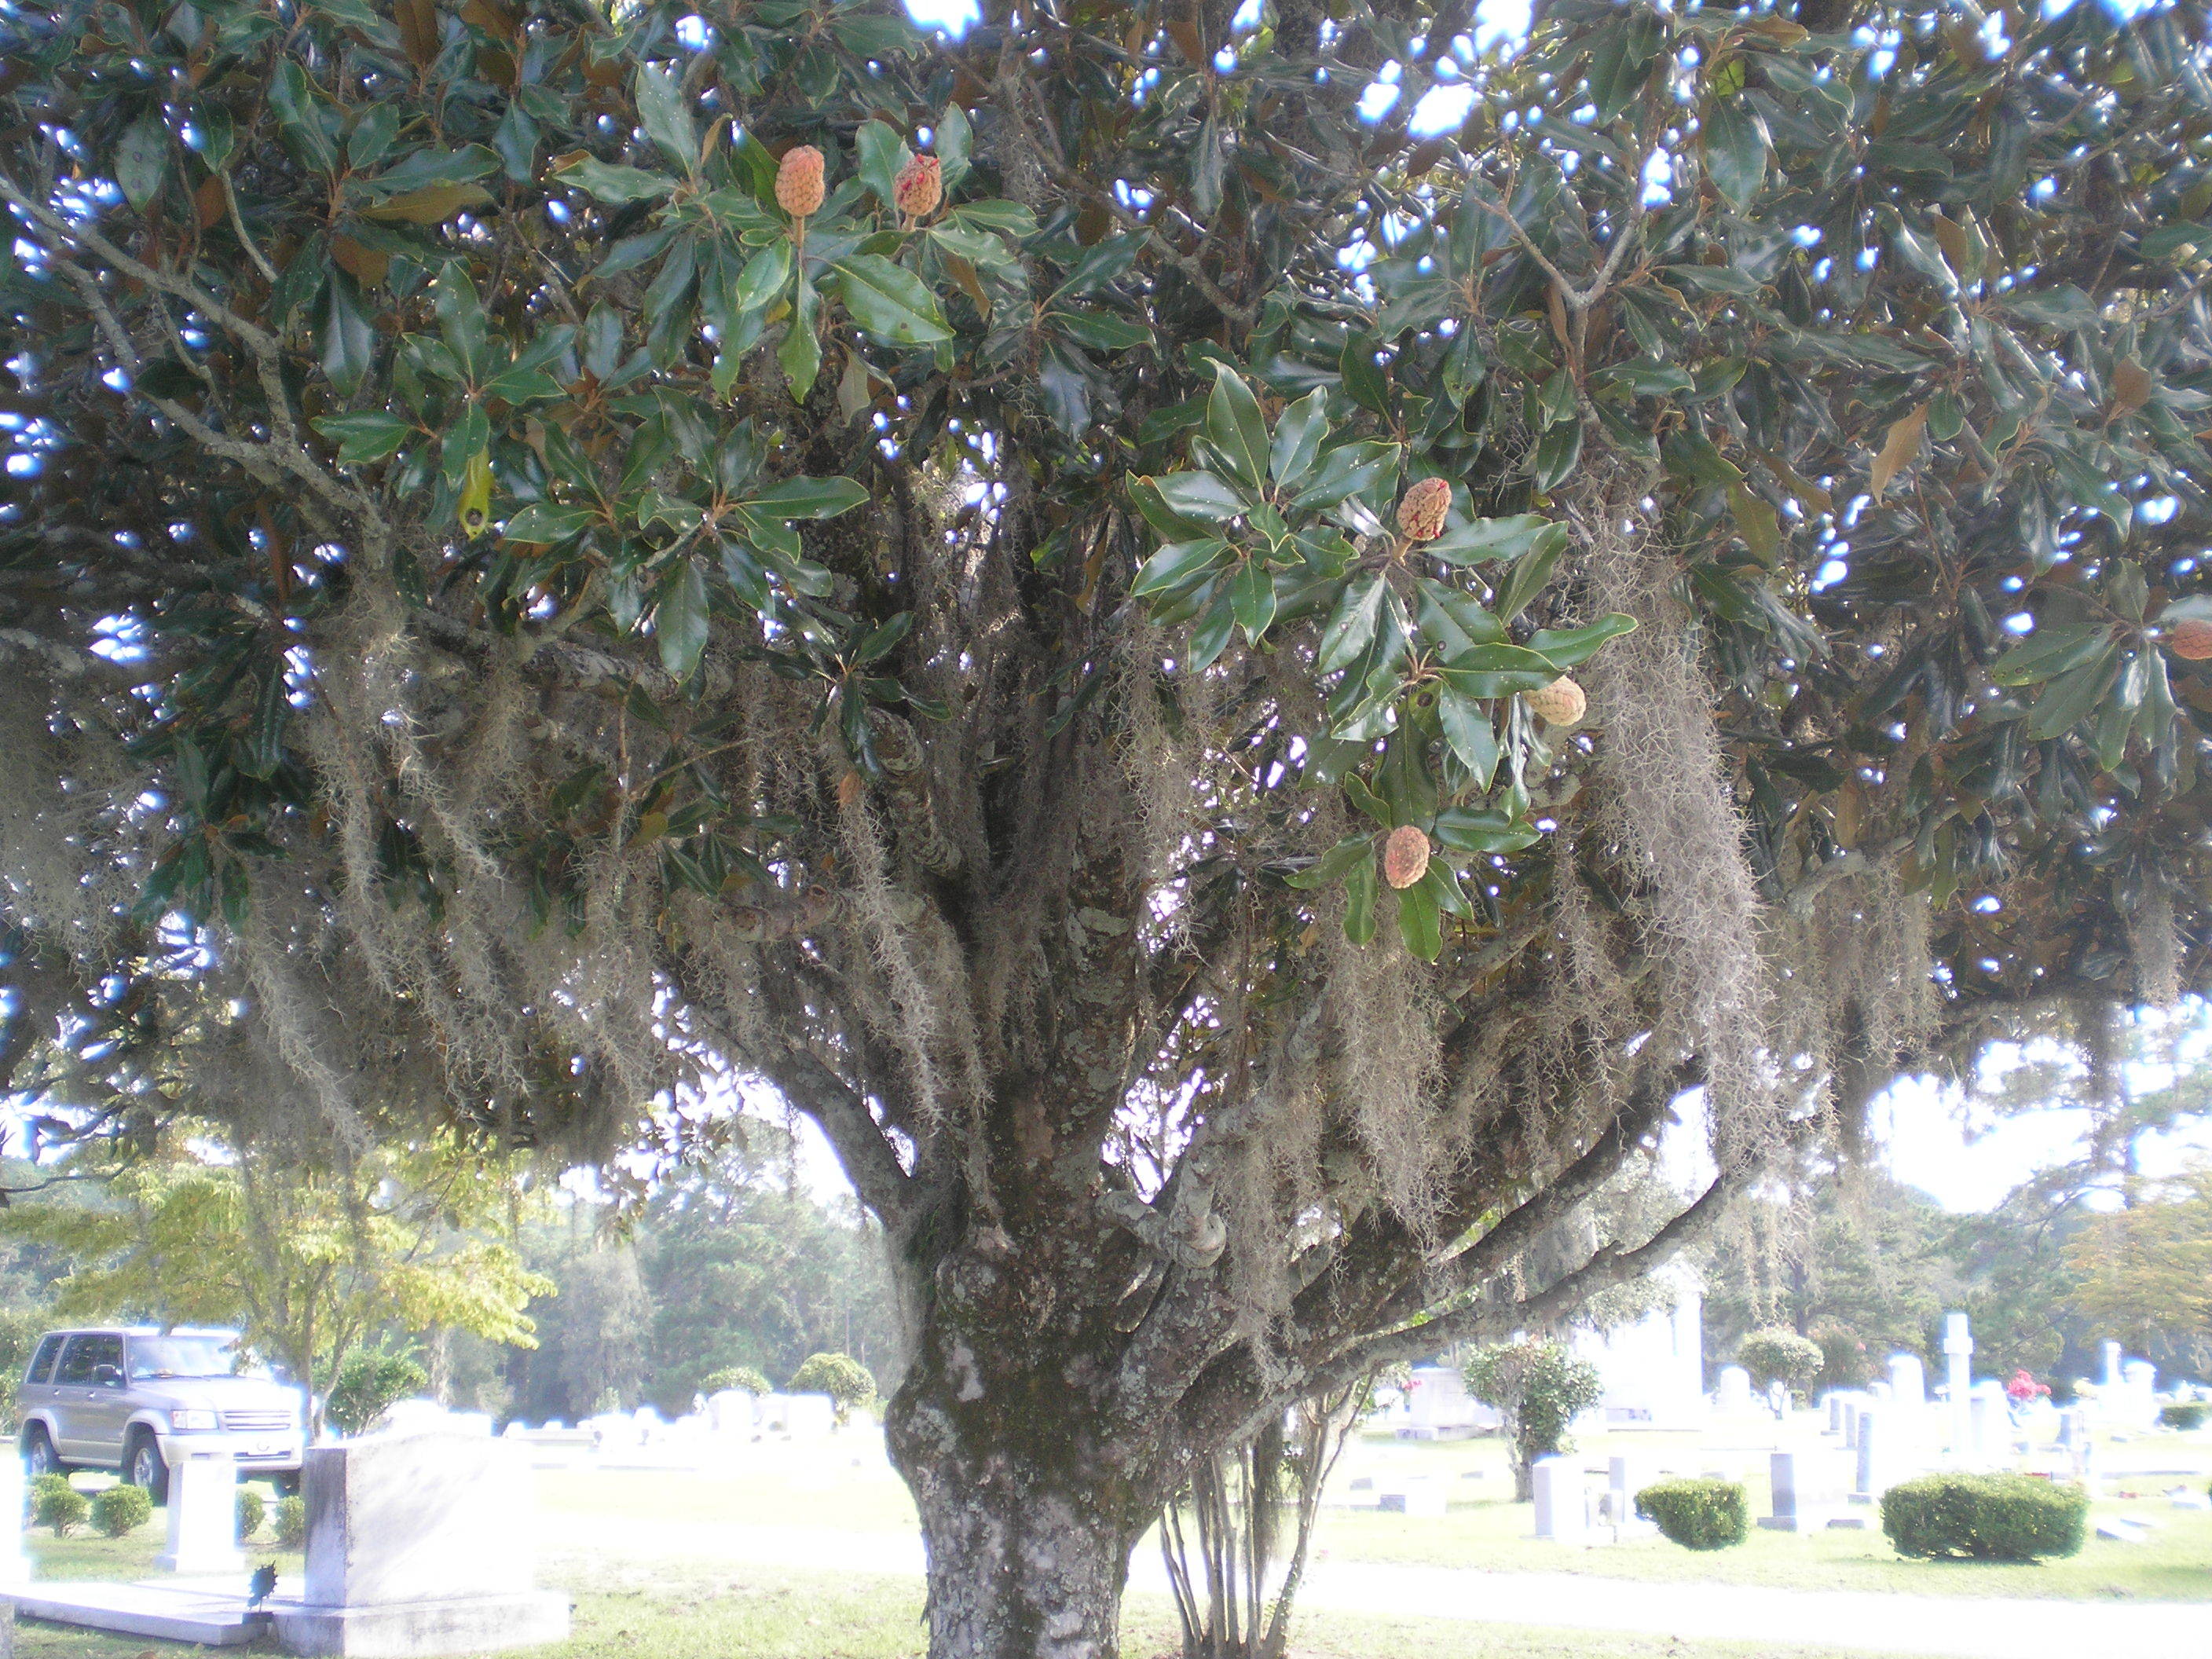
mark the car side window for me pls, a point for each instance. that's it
(91, 1361)
(42, 1363)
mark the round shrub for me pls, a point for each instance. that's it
(121, 1510)
(1698, 1515)
(1984, 1517)
(742, 1377)
(291, 1523)
(57, 1503)
(253, 1511)
(843, 1378)
(2185, 1414)
(1779, 1354)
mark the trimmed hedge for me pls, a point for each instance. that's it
(56, 1504)
(291, 1523)
(2187, 1414)
(1984, 1517)
(122, 1509)
(1698, 1514)
(253, 1511)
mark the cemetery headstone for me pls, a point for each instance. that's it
(2111, 1353)
(810, 1416)
(1958, 1378)
(731, 1411)
(1834, 1401)
(1808, 1488)
(419, 1544)
(1562, 1502)
(1869, 1466)
(1733, 1396)
(1624, 1477)
(1908, 1380)
(202, 1516)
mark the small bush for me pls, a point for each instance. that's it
(122, 1509)
(1984, 1517)
(291, 1523)
(1698, 1515)
(1539, 1389)
(843, 1378)
(369, 1383)
(56, 1504)
(744, 1377)
(253, 1511)
(2188, 1414)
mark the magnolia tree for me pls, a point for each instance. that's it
(1234, 645)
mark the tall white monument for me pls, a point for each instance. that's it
(1959, 1374)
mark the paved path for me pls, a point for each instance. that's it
(1946, 1627)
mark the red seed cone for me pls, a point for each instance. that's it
(1421, 514)
(919, 187)
(1405, 856)
(799, 189)
(1559, 704)
(2189, 639)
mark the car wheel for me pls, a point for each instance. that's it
(144, 1465)
(39, 1453)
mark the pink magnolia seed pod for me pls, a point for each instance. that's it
(1421, 514)
(1405, 856)
(1560, 703)
(798, 188)
(919, 187)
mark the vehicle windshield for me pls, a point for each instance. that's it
(155, 1357)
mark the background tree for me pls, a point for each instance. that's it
(840, 1376)
(1779, 1354)
(1539, 1387)
(552, 558)
(369, 1382)
(307, 1263)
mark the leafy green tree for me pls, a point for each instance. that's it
(1539, 1387)
(1777, 1354)
(840, 1376)
(309, 1262)
(369, 1382)
(594, 1323)
(1059, 597)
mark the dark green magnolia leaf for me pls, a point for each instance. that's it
(1735, 143)
(807, 498)
(800, 355)
(889, 300)
(300, 112)
(680, 620)
(2070, 697)
(349, 338)
(2053, 650)
(1482, 829)
(1334, 864)
(544, 523)
(952, 143)
(1559, 451)
(272, 711)
(1177, 564)
(882, 152)
(1360, 888)
(141, 156)
(369, 436)
(667, 120)
(1210, 638)
(1453, 619)
(1297, 439)
(1566, 646)
(880, 642)
(1200, 496)
(1498, 670)
(1467, 730)
(1418, 923)
(764, 278)
(529, 375)
(616, 185)
(422, 168)
(1622, 62)
(1252, 598)
(1351, 626)
(1475, 541)
(1343, 473)
(460, 317)
(1363, 376)
(1098, 266)
(1099, 330)
(1234, 423)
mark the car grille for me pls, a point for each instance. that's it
(256, 1422)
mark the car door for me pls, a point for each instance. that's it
(38, 1388)
(88, 1398)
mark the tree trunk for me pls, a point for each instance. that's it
(1028, 1521)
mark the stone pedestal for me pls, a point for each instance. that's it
(14, 1563)
(419, 1545)
(203, 1517)
(1562, 1505)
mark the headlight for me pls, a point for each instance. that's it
(185, 1420)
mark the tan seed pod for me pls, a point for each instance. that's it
(1421, 514)
(1559, 704)
(1405, 856)
(798, 188)
(919, 187)
(2189, 639)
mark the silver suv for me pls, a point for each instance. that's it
(134, 1398)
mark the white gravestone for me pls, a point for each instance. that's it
(2112, 1351)
(1562, 1502)
(1958, 1378)
(1908, 1381)
(1871, 1465)
(419, 1545)
(810, 1416)
(14, 1564)
(1833, 1400)
(1624, 1477)
(202, 1516)
(1733, 1396)
(731, 1411)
